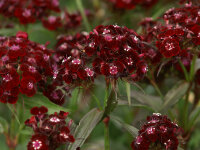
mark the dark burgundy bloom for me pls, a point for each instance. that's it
(52, 22)
(25, 15)
(21, 34)
(169, 47)
(23, 59)
(55, 95)
(29, 70)
(50, 131)
(65, 135)
(38, 110)
(9, 96)
(131, 4)
(10, 78)
(127, 4)
(72, 20)
(27, 86)
(38, 142)
(117, 51)
(196, 37)
(158, 130)
(28, 11)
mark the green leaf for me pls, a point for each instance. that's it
(184, 70)
(85, 127)
(39, 100)
(8, 32)
(128, 92)
(174, 95)
(193, 117)
(153, 101)
(81, 9)
(125, 103)
(73, 103)
(3, 125)
(26, 132)
(119, 123)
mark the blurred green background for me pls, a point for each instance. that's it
(102, 14)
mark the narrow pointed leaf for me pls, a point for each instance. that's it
(174, 95)
(85, 127)
(136, 105)
(128, 92)
(193, 117)
(119, 123)
(39, 100)
(3, 125)
(153, 101)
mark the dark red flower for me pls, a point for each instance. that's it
(27, 86)
(25, 15)
(65, 135)
(10, 78)
(9, 96)
(196, 37)
(50, 131)
(31, 122)
(29, 70)
(55, 95)
(52, 22)
(39, 110)
(72, 20)
(158, 130)
(169, 47)
(116, 51)
(39, 142)
(21, 34)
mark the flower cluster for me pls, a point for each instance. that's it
(131, 4)
(72, 60)
(66, 22)
(28, 11)
(47, 11)
(23, 64)
(50, 131)
(158, 131)
(180, 32)
(116, 52)
(177, 38)
(112, 51)
(187, 17)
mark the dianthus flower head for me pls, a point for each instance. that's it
(28, 11)
(23, 65)
(157, 131)
(131, 4)
(50, 131)
(186, 17)
(116, 51)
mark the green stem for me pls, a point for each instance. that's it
(15, 115)
(97, 101)
(106, 97)
(85, 20)
(157, 89)
(106, 137)
(184, 70)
